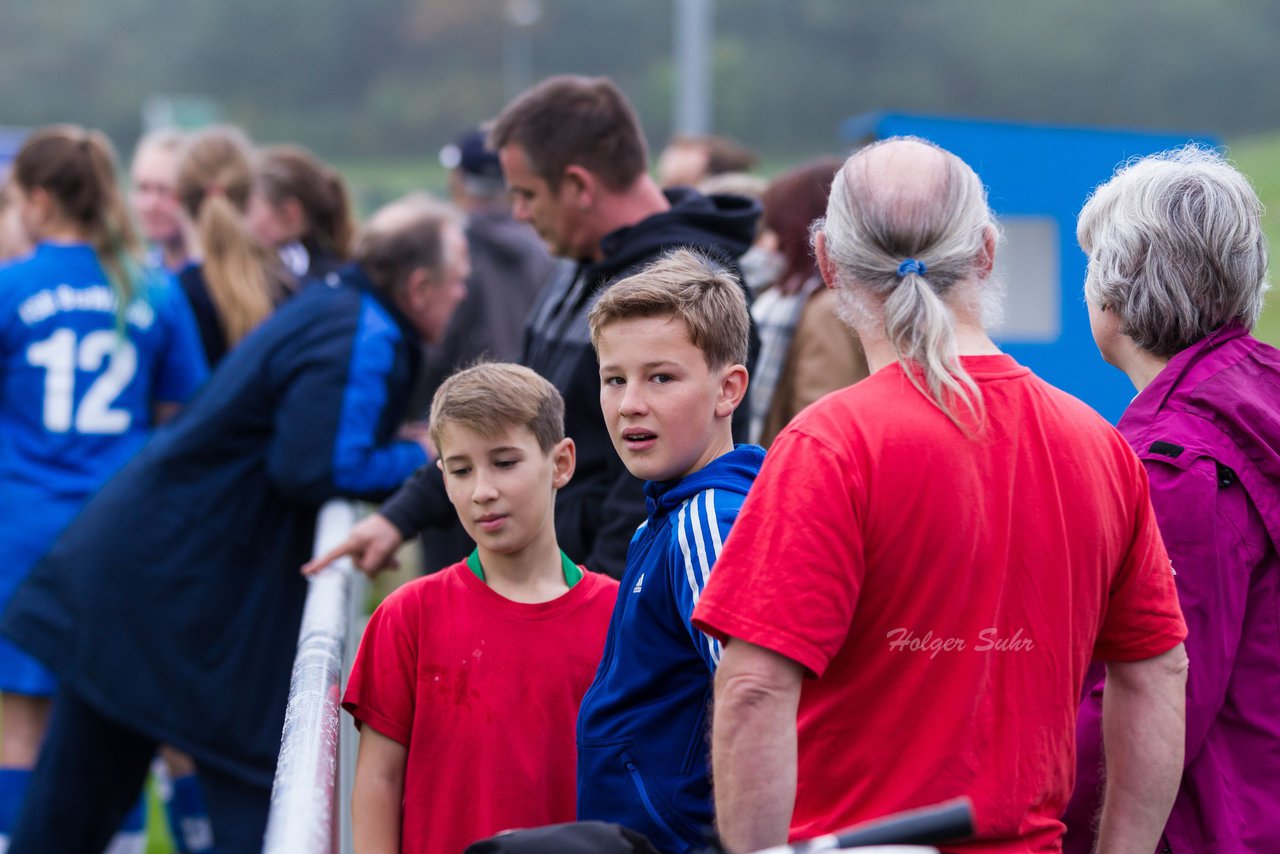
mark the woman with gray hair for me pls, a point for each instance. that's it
(1176, 277)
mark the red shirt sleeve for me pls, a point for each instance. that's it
(792, 567)
(383, 681)
(1142, 618)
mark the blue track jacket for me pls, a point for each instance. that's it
(642, 727)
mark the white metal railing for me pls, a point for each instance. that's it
(304, 799)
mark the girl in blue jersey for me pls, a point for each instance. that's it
(94, 352)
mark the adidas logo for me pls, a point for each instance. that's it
(639, 584)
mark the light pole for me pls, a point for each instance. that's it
(517, 45)
(691, 98)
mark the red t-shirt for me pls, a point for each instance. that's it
(948, 593)
(484, 693)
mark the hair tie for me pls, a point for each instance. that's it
(911, 265)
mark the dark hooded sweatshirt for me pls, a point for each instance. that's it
(598, 511)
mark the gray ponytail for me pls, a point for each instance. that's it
(870, 233)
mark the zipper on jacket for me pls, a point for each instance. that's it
(648, 804)
(607, 657)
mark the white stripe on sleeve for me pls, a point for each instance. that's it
(713, 522)
(704, 565)
(688, 558)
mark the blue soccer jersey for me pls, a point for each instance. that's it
(77, 391)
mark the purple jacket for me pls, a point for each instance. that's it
(1208, 431)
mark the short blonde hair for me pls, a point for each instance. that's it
(491, 397)
(691, 287)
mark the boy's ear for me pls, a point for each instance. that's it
(733, 387)
(564, 459)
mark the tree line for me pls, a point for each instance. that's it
(357, 78)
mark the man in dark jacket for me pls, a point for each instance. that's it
(170, 608)
(576, 164)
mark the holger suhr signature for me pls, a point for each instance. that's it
(988, 640)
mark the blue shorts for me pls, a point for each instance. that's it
(22, 674)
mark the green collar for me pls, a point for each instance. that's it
(572, 574)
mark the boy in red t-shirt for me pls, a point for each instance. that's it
(467, 683)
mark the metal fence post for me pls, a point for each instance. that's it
(304, 813)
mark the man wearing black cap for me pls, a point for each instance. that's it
(509, 264)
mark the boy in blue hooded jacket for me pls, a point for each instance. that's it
(672, 343)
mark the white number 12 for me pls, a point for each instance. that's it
(59, 355)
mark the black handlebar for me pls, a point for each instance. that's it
(951, 821)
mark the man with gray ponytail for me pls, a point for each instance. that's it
(945, 546)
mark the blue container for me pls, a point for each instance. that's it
(1038, 178)
(10, 141)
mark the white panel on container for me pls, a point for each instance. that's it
(1028, 263)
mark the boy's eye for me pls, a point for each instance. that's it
(662, 378)
(614, 381)
(460, 471)
(505, 464)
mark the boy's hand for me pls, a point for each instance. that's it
(371, 545)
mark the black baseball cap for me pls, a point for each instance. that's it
(470, 154)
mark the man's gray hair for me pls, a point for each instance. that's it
(403, 236)
(870, 231)
(1175, 248)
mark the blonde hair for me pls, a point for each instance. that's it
(77, 168)
(491, 397)
(691, 287)
(168, 140)
(214, 181)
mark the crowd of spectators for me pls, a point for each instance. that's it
(737, 525)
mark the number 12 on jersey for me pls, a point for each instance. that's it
(60, 355)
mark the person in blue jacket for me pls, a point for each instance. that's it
(170, 608)
(672, 343)
(94, 351)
